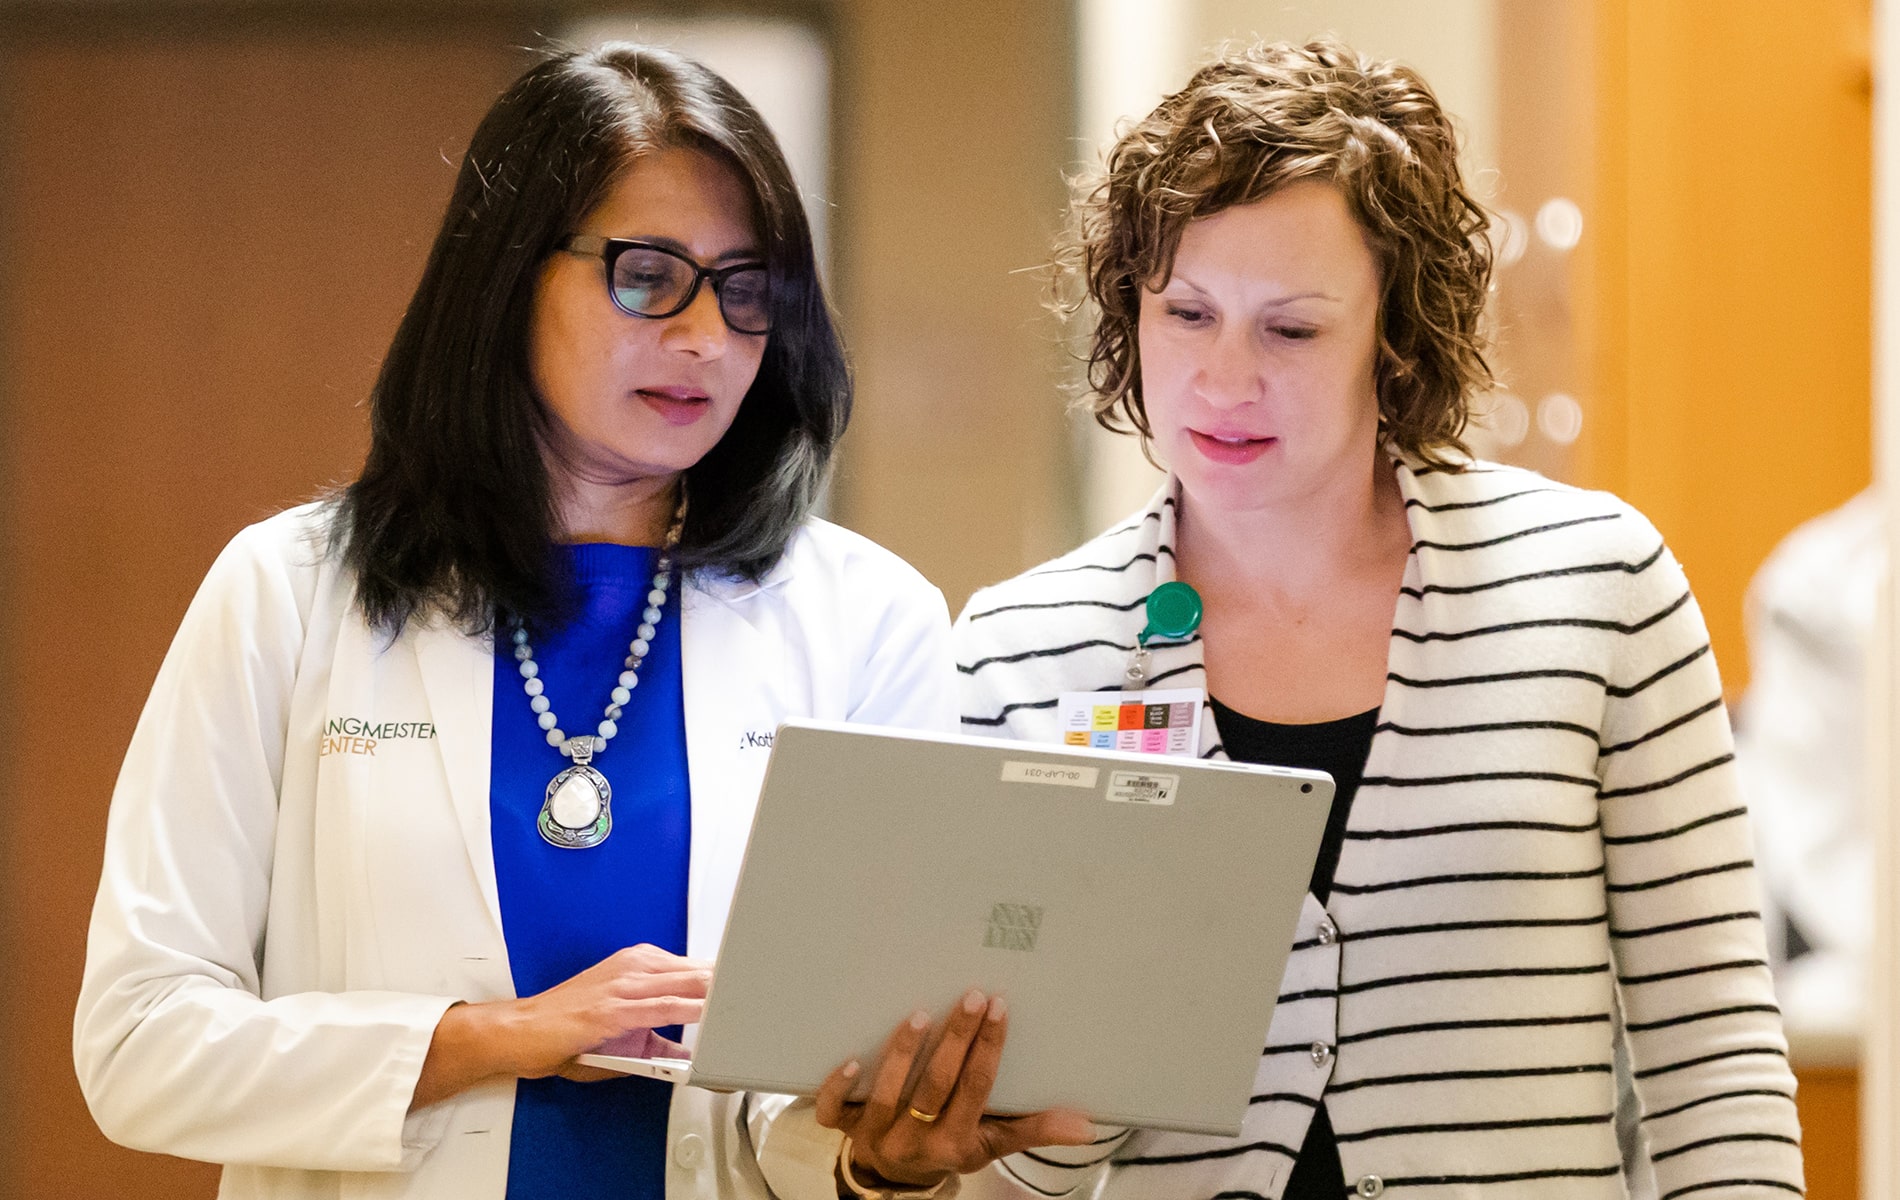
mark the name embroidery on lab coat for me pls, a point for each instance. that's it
(757, 739)
(353, 735)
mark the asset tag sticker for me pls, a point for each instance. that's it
(1142, 787)
(1059, 774)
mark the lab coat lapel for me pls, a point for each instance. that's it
(727, 684)
(458, 678)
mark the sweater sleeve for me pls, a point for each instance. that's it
(176, 1050)
(1707, 1051)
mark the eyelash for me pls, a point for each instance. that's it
(1292, 333)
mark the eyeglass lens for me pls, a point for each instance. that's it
(655, 283)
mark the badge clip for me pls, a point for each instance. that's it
(1174, 611)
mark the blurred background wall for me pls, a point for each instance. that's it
(211, 216)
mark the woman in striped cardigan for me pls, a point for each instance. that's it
(1537, 847)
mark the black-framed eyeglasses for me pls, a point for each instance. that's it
(646, 280)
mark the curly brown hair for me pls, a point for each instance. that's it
(1247, 124)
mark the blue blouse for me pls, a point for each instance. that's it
(565, 910)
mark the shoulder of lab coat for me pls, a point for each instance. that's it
(884, 623)
(174, 1047)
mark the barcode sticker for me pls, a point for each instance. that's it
(1142, 787)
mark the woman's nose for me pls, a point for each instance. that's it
(1230, 375)
(700, 328)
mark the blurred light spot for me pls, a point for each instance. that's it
(1560, 223)
(1513, 237)
(1509, 420)
(1560, 417)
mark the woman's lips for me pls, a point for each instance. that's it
(1230, 449)
(679, 406)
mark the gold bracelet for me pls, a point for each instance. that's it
(850, 1180)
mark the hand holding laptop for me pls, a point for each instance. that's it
(917, 1127)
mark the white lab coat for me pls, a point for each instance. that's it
(278, 929)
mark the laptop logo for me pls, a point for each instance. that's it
(1013, 927)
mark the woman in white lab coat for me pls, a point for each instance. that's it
(446, 778)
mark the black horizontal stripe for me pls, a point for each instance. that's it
(1308, 994)
(1283, 1098)
(1452, 1076)
(1111, 567)
(1507, 1177)
(1394, 885)
(1362, 935)
(1660, 730)
(1454, 505)
(1131, 606)
(1699, 873)
(1722, 1183)
(1367, 985)
(1477, 1023)
(1375, 835)
(1515, 535)
(1685, 1064)
(1498, 677)
(1239, 1194)
(1686, 972)
(1446, 589)
(1693, 923)
(1404, 781)
(1458, 635)
(1168, 674)
(1162, 1160)
(1043, 652)
(1624, 693)
(1632, 839)
(1153, 514)
(1707, 1015)
(1476, 1126)
(1040, 1191)
(1701, 1100)
(1672, 781)
(1059, 1165)
(1003, 716)
(1485, 727)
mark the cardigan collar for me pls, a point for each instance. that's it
(1150, 545)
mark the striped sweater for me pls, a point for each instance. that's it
(1547, 852)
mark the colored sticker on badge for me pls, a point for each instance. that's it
(1157, 721)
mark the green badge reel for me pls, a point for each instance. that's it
(1174, 612)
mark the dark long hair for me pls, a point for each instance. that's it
(454, 514)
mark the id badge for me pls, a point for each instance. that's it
(1157, 721)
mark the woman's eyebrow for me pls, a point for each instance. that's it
(1275, 302)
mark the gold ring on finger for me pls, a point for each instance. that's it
(925, 1117)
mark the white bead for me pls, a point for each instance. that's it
(657, 596)
(644, 633)
(523, 653)
(629, 679)
(556, 737)
(639, 648)
(621, 695)
(651, 616)
(661, 579)
(529, 670)
(520, 635)
(613, 712)
(538, 704)
(545, 720)
(630, 662)
(532, 687)
(608, 729)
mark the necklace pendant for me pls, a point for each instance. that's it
(576, 815)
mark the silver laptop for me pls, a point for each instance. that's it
(1135, 910)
